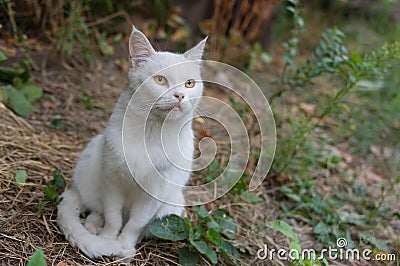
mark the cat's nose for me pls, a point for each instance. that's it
(179, 96)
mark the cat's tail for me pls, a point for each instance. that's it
(68, 220)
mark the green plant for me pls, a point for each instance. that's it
(382, 99)
(211, 235)
(87, 101)
(212, 170)
(330, 59)
(37, 259)
(321, 213)
(75, 32)
(52, 191)
(302, 146)
(257, 56)
(56, 122)
(16, 88)
(294, 244)
(21, 176)
(242, 189)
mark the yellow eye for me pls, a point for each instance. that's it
(189, 83)
(160, 80)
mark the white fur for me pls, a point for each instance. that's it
(120, 210)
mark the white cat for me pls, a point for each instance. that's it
(164, 100)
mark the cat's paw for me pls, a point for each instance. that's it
(94, 223)
(108, 234)
(126, 242)
(127, 254)
(92, 228)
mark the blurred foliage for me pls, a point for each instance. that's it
(16, 88)
(303, 145)
(378, 121)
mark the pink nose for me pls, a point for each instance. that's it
(179, 96)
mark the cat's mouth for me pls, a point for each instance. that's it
(177, 108)
(167, 109)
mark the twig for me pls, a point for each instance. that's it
(109, 17)
(10, 12)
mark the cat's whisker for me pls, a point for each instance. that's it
(166, 44)
(158, 46)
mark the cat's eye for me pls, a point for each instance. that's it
(189, 83)
(160, 80)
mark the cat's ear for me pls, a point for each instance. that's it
(196, 52)
(139, 47)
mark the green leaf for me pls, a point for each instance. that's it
(251, 197)
(265, 57)
(17, 101)
(87, 100)
(20, 176)
(229, 251)
(58, 180)
(105, 48)
(187, 257)
(214, 225)
(285, 229)
(202, 213)
(37, 259)
(295, 246)
(354, 218)
(171, 227)
(214, 237)
(196, 233)
(51, 192)
(241, 186)
(7, 74)
(322, 229)
(117, 38)
(57, 122)
(204, 249)
(226, 222)
(32, 93)
(41, 206)
(214, 166)
(3, 56)
(381, 245)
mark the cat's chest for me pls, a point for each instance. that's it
(159, 152)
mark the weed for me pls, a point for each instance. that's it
(88, 101)
(52, 191)
(37, 259)
(74, 32)
(57, 122)
(294, 245)
(258, 56)
(16, 88)
(211, 235)
(21, 176)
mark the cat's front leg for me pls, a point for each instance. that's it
(112, 204)
(177, 206)
(141, 213)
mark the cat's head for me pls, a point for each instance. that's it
(166, 84)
